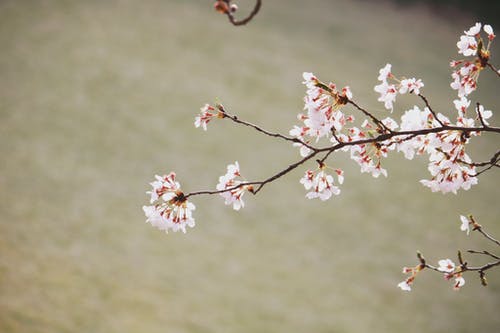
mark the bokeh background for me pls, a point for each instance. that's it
(96, 97)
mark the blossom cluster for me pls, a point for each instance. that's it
(467, 71)
(321, 184)
(324, 117)
(169, 209)
(450, 166)
(413, 271)
(390, 86)
(451, 271)
(231, 187)
(446, 266)
(207, 113)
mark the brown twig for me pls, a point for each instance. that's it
(488, 236)
(480, 268)
(260, 184)
(479, 115)
(493, 69)
(263, 131)
(493, 161)
(484, 252)
(372, 117)
(486, 169)
(230, 13)
(431, 109)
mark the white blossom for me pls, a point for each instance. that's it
(446, 265)
(465, 226)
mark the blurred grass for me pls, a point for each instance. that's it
(96, 97)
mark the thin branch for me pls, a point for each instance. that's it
(368, 114)
(486, 169)
(261, 130)
(488, 236)
(434, 268)
(480, 268)
(260, 184)
(326, 156)
(431, 109)
(493, 161)
(284, 172)
(484, 252)
(425, 131)
(479, 115)
(467, 268)
(493, 69)
(235, 22)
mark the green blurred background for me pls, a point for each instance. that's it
(98, 96)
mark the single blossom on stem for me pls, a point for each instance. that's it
(489, 30)
(465, 226)
(446, 265)
(207, 113)
(459, 281)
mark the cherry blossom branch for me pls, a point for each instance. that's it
(227, 8)
(448, 267)
(464, 268)
(378, 139)
(329, 150)
(415, 133)
(381, 137)
(420, 132)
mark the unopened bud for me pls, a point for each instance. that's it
(321, 164)
(421, 258)
(482, 276)
(221, 7)
(233, 8)
(460, 258)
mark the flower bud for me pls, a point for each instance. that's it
(221, 7)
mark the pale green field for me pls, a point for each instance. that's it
(98, 96)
